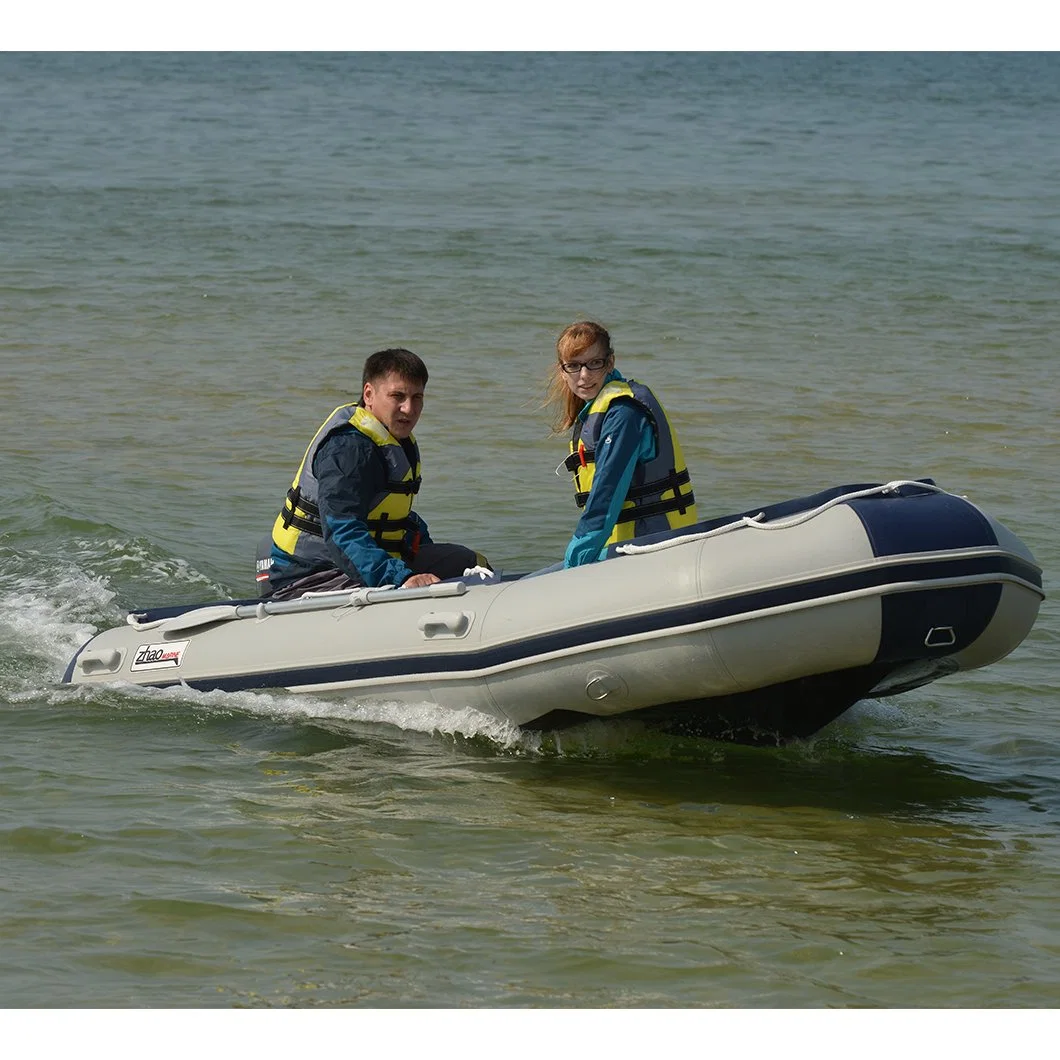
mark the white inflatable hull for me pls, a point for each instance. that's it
(748, 629)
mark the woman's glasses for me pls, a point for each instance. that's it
(574, 367)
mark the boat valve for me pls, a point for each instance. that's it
(599, 685)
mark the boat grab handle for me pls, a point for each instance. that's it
(358, 598)
(940, 637)
(445, 624)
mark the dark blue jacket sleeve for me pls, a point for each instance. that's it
(626, 437)
(350, 473)
(425, 534)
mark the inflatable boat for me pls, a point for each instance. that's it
(758, 627)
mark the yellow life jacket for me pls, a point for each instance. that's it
(297, 530)
(660, 494)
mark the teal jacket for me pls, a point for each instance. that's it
(626, 438)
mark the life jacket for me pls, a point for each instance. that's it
(297, 530)
(660, 494)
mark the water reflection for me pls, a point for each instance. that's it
(827, 774)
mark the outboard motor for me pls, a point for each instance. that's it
(262, 563)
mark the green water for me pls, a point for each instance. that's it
(830, 268)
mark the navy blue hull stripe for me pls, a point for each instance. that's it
(589, 635)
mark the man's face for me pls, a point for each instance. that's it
(395, 402)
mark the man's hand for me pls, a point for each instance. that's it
(416, 580)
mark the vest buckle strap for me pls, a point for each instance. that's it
(580, 459)
(680, 503)
(295, 507)
(384, 526)
(672, 481)
(406, 488)
(307, 526)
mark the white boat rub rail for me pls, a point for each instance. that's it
(363, 597)
(756, 521)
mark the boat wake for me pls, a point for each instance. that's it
(52, 602)
(47, 618)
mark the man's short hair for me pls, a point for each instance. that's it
(402, 362)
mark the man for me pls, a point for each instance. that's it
(348, 518)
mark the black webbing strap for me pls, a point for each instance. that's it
(679, 503)
(310, 522)
(405, 488)
(384, 525)
(646, 511)
(671, 482)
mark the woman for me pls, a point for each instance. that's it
(629, 474)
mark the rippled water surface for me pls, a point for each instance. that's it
(831, 268)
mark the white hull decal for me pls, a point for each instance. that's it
(159, 656)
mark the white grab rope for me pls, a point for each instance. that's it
(755, 521)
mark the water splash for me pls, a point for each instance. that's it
(53, 600)
(49, 619)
